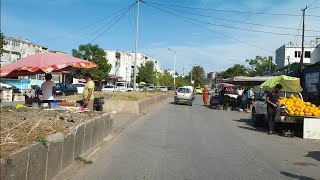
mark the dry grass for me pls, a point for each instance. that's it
(20, 128)
(129, 96)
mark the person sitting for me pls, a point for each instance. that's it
(48, 88)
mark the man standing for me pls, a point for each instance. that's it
(88, 92)
(272, 104)
(48, 88)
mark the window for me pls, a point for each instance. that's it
(307, 54)
(118, 55)
(297, 54)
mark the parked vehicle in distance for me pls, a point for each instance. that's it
(259, 111)
(108, 88)
(80, 87)
(5, 86)
(170, 88)
(198, 90)
(66, 89)
(184, 95)
(163, 88)
(151, 88)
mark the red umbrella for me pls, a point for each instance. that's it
(44, 63)
(228, 85)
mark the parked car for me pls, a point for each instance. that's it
(5, 86)
(80, 87)
(151, 88)
(184, 95)
(198, 90)
(170, 88)
(109, 88)
(163, 88)
(66, 89)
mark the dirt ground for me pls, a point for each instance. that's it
(20, 127)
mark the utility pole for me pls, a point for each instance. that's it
(174, 63)
(302, 46)
(136, 49)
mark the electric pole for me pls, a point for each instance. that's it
(302, 46)
(136, 49)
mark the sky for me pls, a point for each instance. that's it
(64, 24)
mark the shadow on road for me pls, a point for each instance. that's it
(314, 154)
(250, 125)
(296, 176)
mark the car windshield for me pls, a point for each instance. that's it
(109, 86)
(184, 90)
(79, 85)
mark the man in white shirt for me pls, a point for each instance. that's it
(48, 88)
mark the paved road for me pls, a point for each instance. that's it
(183, 142)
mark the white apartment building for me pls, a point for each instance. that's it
(123, 63)
(142, 59)
(18, 48)
(290, 53)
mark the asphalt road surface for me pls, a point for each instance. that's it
(183, 142)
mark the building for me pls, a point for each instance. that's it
(291, 53)
(18, 48)
(211, 76)
(123, 64)
(218, 78)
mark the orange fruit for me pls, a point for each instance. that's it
(308, 103)
(301, 113)
(296, 112)
(306, 110)
(291, 112)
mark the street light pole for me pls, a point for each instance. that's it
(174, 63)
(136, 48)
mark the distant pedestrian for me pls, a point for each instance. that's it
(272, 104)
(205, 95)
(244, 100)
(221, 94)
(36, 90)
(88, 96)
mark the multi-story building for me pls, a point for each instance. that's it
(123, 64)
(291, 53)
(218, 78)
(17, 48)
(211, 75)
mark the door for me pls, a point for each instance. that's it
(261, 105)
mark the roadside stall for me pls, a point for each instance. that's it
(294, 110)
(42, 63)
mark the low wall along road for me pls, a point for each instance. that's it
(133, 107)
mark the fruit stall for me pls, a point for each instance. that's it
(295, 107)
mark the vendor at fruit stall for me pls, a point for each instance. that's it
(272, 104)
(88, 96)
(48, 88)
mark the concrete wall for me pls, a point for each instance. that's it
(39, 162)
(133, 107)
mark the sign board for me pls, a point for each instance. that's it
(266, 70)
(312, 81)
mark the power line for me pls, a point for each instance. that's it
(230, 11)
(313, 3)
(84, 27)
(232, 27)
(112, 22)
(185, 19)
(230, 20)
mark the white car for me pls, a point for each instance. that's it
(163, 88)
(80, 87)
(109, 88)
(184, 95)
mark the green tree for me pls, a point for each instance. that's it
(94, 54)
(181, 81)
(166, 79)
(2, 43)
(258, 64)
(146, 73)
(236, 70)
(198, 76)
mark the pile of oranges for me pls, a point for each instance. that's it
(296, 106)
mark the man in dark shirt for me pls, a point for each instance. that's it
(272, 104)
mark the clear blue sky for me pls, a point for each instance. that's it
(42, 20)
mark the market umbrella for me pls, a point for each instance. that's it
(44, 63)
(142, 83)
(289, 84)
(228, 85)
